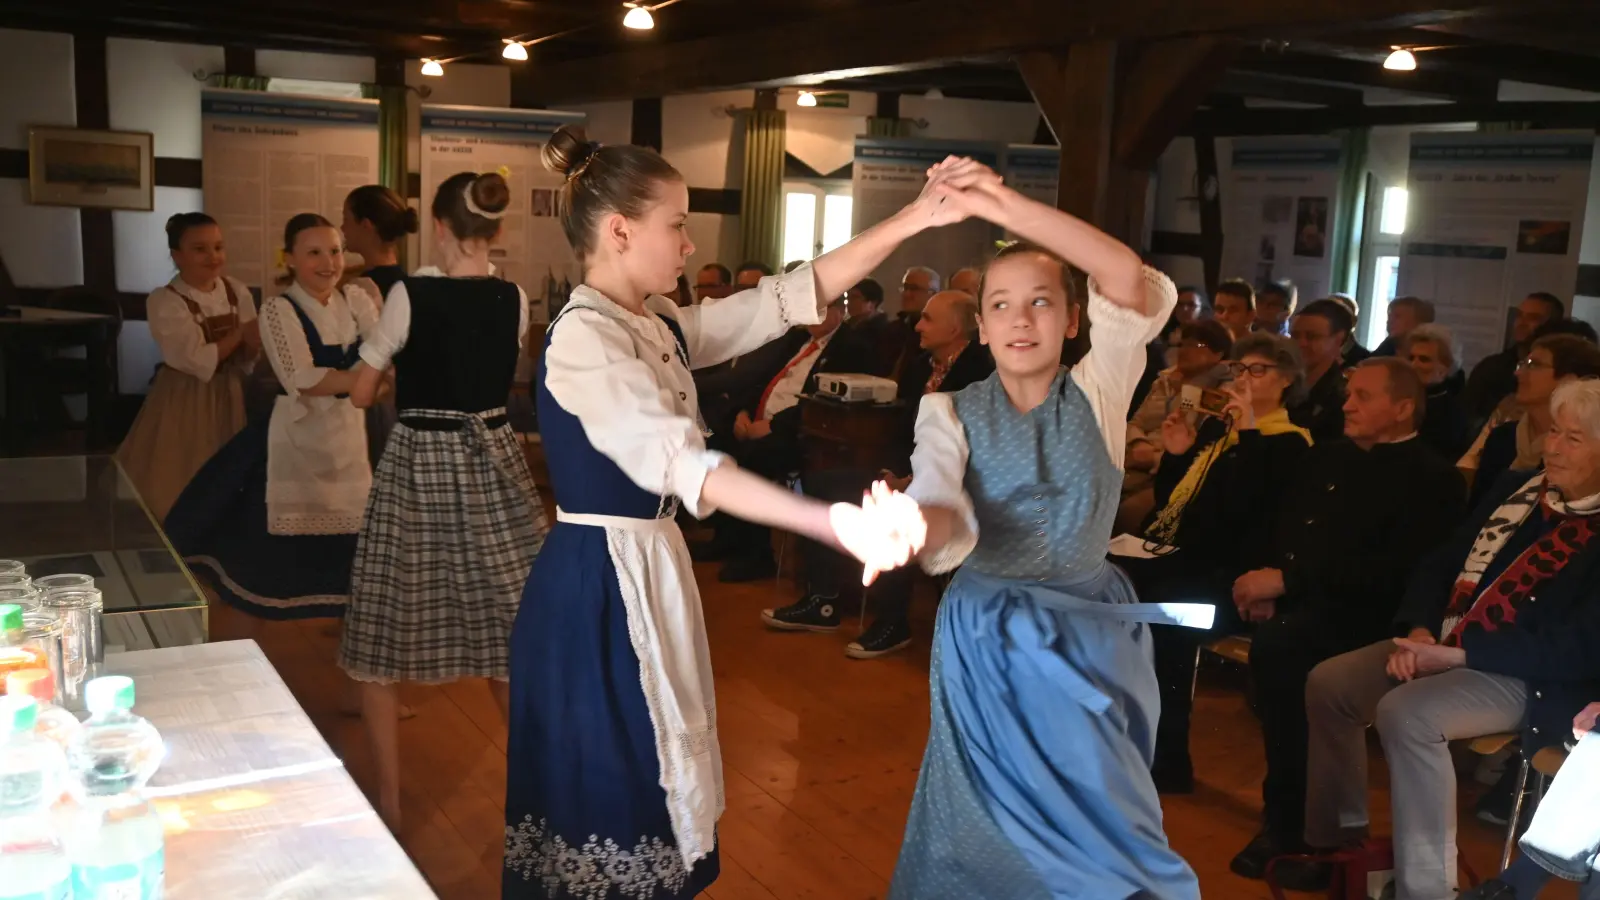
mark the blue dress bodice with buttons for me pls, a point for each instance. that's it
(1043, 485)
(584, 480)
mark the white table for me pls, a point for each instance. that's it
(255, 802)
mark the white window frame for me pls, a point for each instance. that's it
(820, 188)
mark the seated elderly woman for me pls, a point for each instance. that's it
(1502, 631)
(1202, 347)
(1431, 350)
(1564, 838)
(1213, 485)
(1516, 442)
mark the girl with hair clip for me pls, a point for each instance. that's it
(614, 775)
(454, 521)
(271, 520)
(376, 220)
(205, 326)
(1036, 782)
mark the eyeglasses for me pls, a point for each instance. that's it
(1531, 363)
(1192, 344)
(1256, 370)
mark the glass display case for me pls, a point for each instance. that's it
(81, 514)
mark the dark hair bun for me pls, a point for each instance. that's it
(409, 221)
(568, 149)
(179, 225)
(491, 193)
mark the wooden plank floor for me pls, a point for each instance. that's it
(820, 752)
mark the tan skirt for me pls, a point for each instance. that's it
(183, 422)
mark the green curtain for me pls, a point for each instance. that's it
(761, 200)
(1351, 210)
(888, 128)
(239, 82)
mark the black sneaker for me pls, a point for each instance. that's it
(882, 637)
(1493, 889)
(1251, 862)
(1307, 876)
(812, 613)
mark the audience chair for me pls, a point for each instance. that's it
(1542, 772)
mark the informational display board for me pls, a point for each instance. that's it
(888, 174)
(531, 251)
(1034, 170)
(1279, 206)
(268, 157)
(1491, 219)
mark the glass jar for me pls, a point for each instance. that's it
(82, 641)
(41, 636)
(25, 596)
(15, 580)
(12, 567)
(50, 583)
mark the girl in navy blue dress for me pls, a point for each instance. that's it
(376, 220)
(271, 519)
(614, 776)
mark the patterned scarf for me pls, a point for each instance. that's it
(1496, 605)
(1165, 528)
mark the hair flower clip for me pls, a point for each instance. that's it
(504, 172)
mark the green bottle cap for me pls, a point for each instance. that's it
(109, 692)
(10, 617)
(18, 713)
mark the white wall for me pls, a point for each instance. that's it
(957, 119)
(315, 66)
(41, 245)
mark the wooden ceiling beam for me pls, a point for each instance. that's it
(1575, 39)
(1163, 88)
(1425, 82)
(1546, 114)
(851, 42)
(1288, 90)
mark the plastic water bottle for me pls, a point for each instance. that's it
(117, 849)
(33, 863)
(54, 723)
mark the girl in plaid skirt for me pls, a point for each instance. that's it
(453, 522)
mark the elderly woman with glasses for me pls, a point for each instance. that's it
(1501, 631)
(1518, 443)
(1215, 487)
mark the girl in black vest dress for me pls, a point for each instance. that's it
(454, 521)
(376, 220)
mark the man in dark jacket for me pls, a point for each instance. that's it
(1495, 376)
(951, 359)
(767, 429)
(1349, 530)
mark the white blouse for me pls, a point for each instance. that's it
(318, 473)
(620, 374)
(175, 330)
(394, 324)
(1107, 375)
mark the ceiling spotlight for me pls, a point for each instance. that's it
(807, 99)
(515, 50)
(1401, 60)
(431, 67)
(638, 17)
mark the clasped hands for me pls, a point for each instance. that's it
(1418, 654)
(884, 532)
(748, 429)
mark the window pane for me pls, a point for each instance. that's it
(799, 226)
(836, 212)
(1385, 282)
(1392, 220)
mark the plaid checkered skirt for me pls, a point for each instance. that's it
(452, 526)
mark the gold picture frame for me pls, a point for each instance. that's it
(89, 168)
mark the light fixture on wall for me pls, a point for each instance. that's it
(431, 68)
(515, 50)
(1401, 60)
(638, 17)
(807, 99)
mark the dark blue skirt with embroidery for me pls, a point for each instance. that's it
(219, 526)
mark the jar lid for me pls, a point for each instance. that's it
(10, 617)
(109, 692)
(36, 683)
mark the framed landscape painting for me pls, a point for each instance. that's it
(82, 167)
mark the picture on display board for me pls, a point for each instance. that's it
(1535, 236)
(1311, 227)
(84, 168)
(544, 202)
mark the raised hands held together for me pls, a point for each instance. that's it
(884, 532)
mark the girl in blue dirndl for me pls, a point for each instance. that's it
(1036, 782)
(614, 776)
(271, 519)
